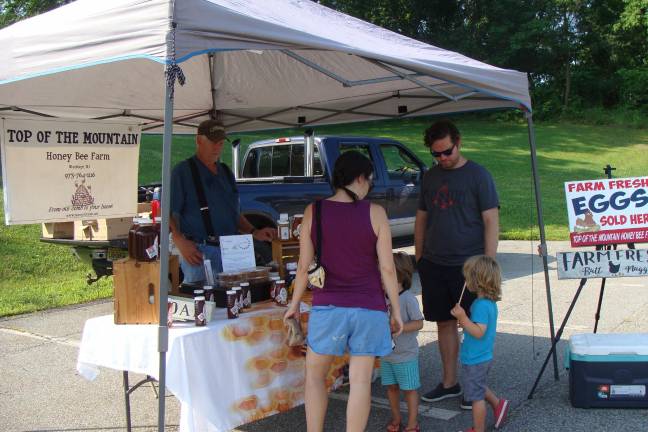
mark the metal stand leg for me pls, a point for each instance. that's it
(555, 341)
(127, 401)
(127, 392)
(598, 308)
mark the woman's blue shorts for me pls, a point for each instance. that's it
(334, 330)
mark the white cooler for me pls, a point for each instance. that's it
(608, 370)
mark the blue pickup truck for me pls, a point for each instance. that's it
(280, 176)
(284, 175)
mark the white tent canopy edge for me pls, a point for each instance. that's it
(285, 62)
(258, 64)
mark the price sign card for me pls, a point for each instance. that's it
(237, 252)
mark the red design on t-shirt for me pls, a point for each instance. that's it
(442, 199)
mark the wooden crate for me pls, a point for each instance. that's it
(136, 286)
(284, 251)
(102, 229)
(58, 230)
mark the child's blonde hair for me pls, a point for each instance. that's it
(483, 277)
(404, 269)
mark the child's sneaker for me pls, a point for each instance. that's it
(465, 405)
(501, 412)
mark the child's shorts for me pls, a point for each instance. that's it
(405, 374)
(473, 379)
(364, 332)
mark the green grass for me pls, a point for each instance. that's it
(36, 276)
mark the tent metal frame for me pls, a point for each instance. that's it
(440, 97)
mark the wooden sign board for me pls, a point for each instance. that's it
(602, 264)
(183, 309)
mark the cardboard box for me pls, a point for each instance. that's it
(58, 230)
(136, 286)
(144, 210)
(102, 229)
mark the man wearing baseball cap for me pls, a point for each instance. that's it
(205, 204)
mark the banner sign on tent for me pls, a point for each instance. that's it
(602, 264)
(64, 170)
(607, 211)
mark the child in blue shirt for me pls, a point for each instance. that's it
(399, 371)
(483, 277)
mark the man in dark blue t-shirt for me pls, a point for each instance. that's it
(457, 217)
(187, 225)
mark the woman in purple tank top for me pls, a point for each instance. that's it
(349, 313)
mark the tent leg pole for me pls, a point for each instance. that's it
(543, 242)
(554, 342)
(163, 330)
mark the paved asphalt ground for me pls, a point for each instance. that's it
(41, 391)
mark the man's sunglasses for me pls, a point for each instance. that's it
(446, 152)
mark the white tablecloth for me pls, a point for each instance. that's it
(226, 374)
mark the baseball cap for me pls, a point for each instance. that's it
(212, 129)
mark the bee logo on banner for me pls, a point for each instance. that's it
(608, 211)
(602, 263)
(65, 170)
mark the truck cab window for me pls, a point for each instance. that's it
(281, 161)
(265, 161)
(297, 161)
(400, 165)
(359, 147)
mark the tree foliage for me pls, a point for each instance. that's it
(12, 11)
(578, 53)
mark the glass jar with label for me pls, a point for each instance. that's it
(283, 227)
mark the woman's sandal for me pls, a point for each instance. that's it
(394, 427)
(416, 428)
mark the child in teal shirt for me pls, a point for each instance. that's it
(483, 277)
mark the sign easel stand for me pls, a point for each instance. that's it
(554, 343)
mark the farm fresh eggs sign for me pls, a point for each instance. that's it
(607, 211)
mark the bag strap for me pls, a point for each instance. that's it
(318, 227)
(202, 199)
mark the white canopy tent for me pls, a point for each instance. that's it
(254, 64)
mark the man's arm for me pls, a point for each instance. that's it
(187, 248)
(264, 234)
(491, 231)
(419, 233)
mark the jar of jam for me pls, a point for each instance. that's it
(281, 293)
(247, 295)
(143, 239)
(283, 227)
(295, 226)
(273, 284)
(232, 304)
(199, 311)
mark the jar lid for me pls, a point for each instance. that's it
(207, 287)
(199, 291)
(200, 298)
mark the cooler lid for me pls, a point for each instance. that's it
(609, 344)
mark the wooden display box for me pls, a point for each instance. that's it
(58, 230)
(284, 251)
(136, 286)
(102, 229)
